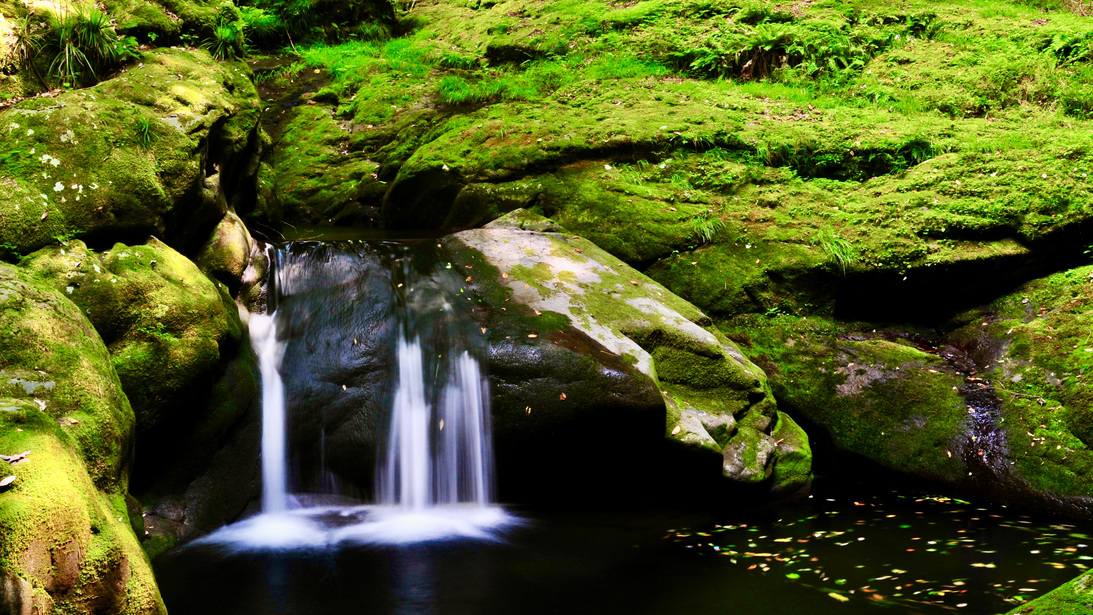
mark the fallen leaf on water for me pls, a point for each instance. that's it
(343, 387)
(354, 341)
(527, 410)
(532, 335)
(562, 397)
(483, 330)
(839, 597)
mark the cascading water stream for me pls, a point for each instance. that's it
(415, 477)
(263, 333)
(407, 477)
(433, 470)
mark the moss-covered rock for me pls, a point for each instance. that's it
(169, 328)
(68, 547)
(227, 252)
(67, 543)
(1073, 598)
(162, 148)
(1034, 348)
(719, 401)
(316, 177)
(51, 355)
(883, 399)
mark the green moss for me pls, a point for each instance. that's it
(75, 165)
(793, 465)
(68, 538)
(886, 401)
(53, 357)
(939, 137)
(1035, 340)
(1073, 598)
(170, 331)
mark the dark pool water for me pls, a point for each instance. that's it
(885, 552)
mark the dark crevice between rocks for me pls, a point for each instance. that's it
(931, 294)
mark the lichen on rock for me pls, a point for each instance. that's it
(718, 400)
(79, 164)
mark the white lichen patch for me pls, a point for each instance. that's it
(567, 280)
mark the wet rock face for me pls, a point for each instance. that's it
(564, 409)
(334, 308)
(718, 402)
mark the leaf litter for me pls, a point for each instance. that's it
(910, 550)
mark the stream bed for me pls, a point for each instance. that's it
(837, 552)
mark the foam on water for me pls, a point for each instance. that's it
(339, 526)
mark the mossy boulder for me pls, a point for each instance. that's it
(68, 547)
(170, 331)
(1073, 598)
(993, 403)
(880, 397)
(67, 542)
(162, 22)
(719, 401)
(1034, 349)
(50, 355)
(162, 148)
(227, 252)
(315, 175)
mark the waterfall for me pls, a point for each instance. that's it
(459, 472)
(263, 334)
(407, 478)
(368, 339)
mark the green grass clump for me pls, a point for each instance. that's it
(839, 251)
(83, 45)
